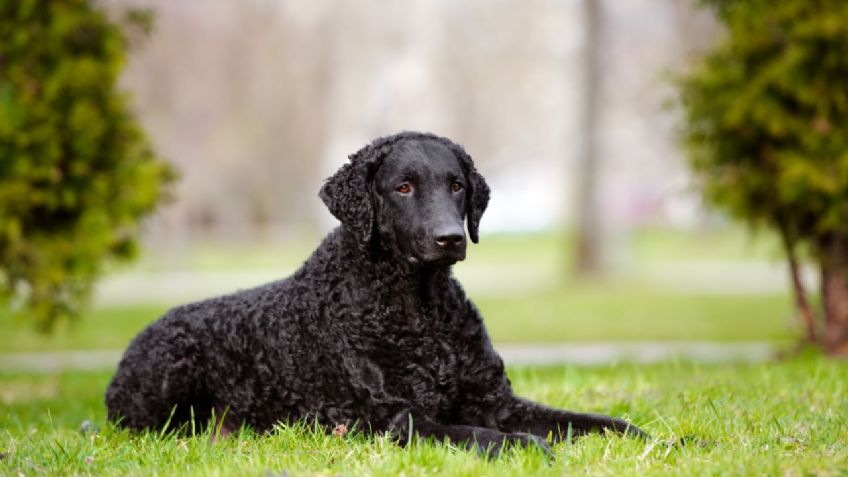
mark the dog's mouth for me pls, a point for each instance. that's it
(436, 259)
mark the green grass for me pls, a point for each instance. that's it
(782, 418)
(607, 313)
(109, 328)
(520, 283)
(593, 313)
(724, 243)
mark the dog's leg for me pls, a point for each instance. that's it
(489, 442)
(521, 415)
(486, 395)
(222, 423)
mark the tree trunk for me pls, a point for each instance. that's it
(834, 286)
(801, 303)
(798, 289)
(588, 226)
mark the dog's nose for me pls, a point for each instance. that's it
(449, 237)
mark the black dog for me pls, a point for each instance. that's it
(372, 331)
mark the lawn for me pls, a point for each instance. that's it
(782, 418)
(519, 282)
(778, 418)
(590, 313)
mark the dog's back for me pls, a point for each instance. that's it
(279, 351)
(203, 357)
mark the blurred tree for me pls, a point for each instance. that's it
(237, 95)
(76, 171)
(766, 126)
(588, 216)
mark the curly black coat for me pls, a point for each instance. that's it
(361, 335)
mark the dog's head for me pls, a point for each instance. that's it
(412, 191)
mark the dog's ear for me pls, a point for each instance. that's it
(476, 193)
(478, 199)
(348, 193)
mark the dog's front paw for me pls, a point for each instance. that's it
(491, 446)
(628, 429)
(529, 440)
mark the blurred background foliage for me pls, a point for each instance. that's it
(77, 171)
(766, 125)
(562, 104)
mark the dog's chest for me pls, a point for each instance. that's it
(418, 358)
(426, 373)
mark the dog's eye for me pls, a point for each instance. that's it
(404, 188)
(456, 187)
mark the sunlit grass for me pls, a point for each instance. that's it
(594, 313)
(786, 418)
(521, 283)
(611, 313)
